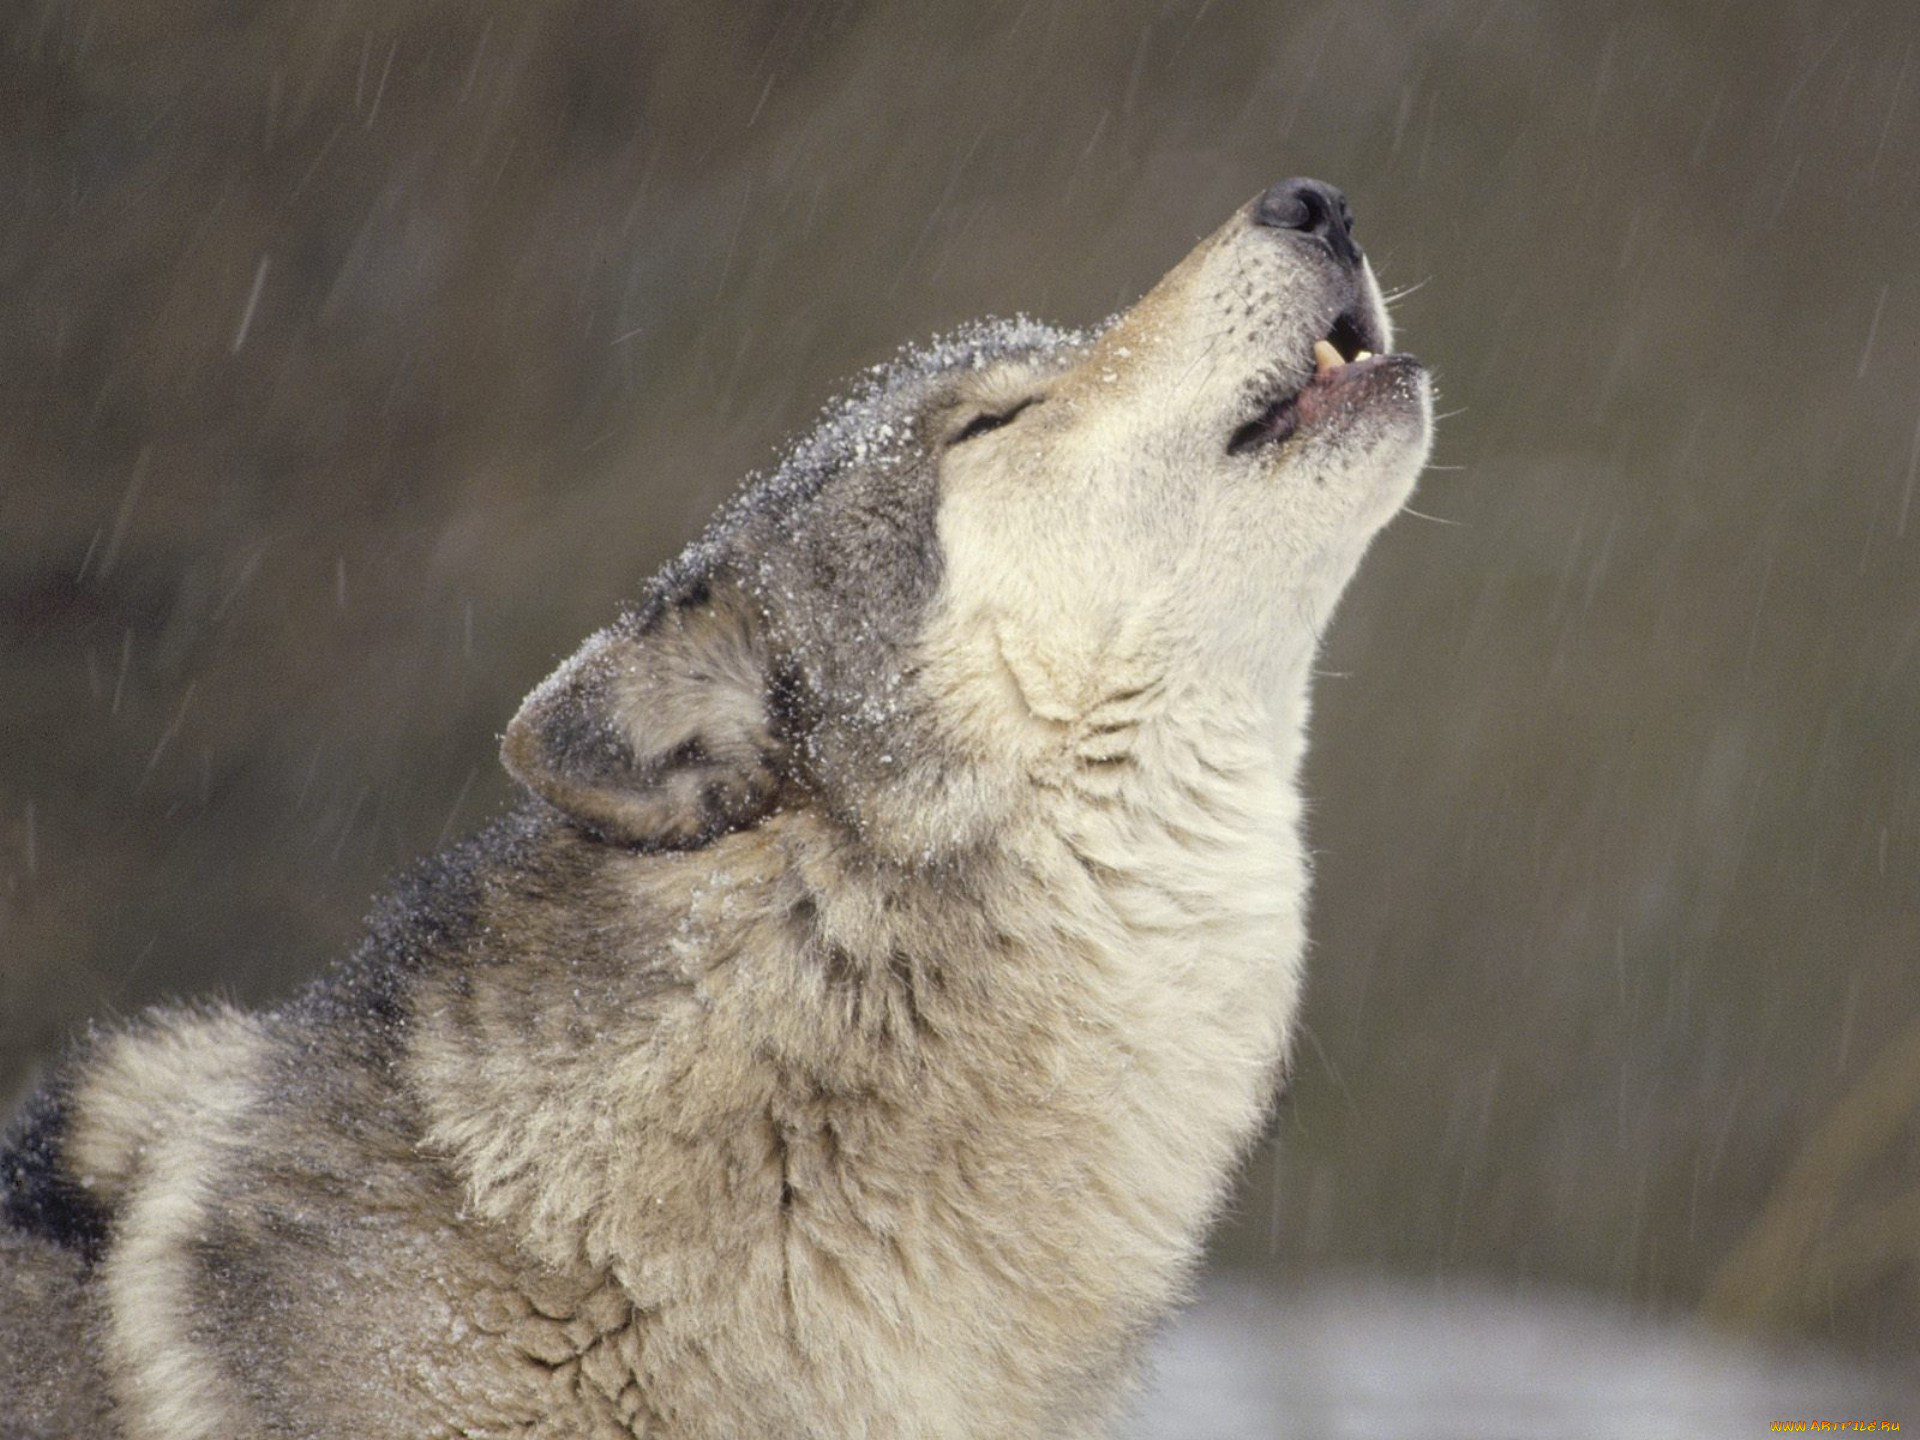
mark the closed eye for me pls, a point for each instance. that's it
(989, 420)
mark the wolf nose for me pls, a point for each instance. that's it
(1312, 206)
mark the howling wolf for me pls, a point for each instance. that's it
(855, 1028)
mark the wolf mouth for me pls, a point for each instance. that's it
(1349, 344)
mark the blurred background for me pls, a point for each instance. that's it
(357, 356)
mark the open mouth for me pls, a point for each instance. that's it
(1341, 355)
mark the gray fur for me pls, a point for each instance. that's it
(854, 1031)
(54, 1387)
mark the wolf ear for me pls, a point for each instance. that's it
(658, 732)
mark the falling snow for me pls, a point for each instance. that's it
(356, 363)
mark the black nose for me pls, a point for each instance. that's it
(1314, 207)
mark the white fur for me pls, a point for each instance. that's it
(153, 1107)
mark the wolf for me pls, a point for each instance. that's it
(854, 1028)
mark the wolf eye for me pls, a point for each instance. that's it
(985, 421)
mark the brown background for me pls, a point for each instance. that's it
(356, 357)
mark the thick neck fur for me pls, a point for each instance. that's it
(996, 1093)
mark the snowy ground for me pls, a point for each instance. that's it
(1375, 1361)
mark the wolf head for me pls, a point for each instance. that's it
(1003, 547)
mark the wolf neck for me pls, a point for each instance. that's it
(1141, 867)
(1049, 1051)
(1185, 825)
(1149, 895)
(1166, 839)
